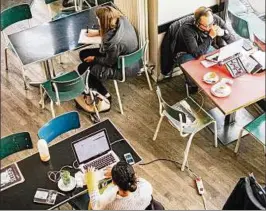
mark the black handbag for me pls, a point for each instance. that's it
(248, 194)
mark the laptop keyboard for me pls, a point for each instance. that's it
(101, 162)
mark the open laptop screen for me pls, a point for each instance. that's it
(91, 146)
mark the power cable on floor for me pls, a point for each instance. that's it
(189, 171)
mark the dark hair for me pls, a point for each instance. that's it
(123, 175)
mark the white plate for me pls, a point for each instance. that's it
(207, 79)
(216, 91)
(68, 187)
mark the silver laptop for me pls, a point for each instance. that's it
(94, 150)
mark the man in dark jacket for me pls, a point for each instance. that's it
(195, 38)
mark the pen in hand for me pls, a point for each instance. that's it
(87, 29)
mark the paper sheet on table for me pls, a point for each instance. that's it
(259, 56)
(84, 39)
(207, 64)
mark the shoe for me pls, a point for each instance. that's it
(68, 3)
(102, 104)
(192, 89)
(110, 99)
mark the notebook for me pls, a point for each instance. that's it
(84, 39)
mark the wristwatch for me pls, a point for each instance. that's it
(226, 32)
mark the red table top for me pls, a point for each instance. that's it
(246, 89)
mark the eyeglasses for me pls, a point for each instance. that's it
(206, 27)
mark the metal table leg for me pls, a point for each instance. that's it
(46, 68)
(229, 126)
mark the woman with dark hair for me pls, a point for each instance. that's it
(126, 193)
(118, 38)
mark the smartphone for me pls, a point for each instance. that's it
(129, 158)
(247, 45)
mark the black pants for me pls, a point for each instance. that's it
(94, 82)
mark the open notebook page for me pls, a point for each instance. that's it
(84, 39)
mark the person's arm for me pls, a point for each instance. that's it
(110, 58)
(93, 33)
(192, 45)
(98, 201)
(228, 37)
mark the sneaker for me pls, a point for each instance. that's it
(68, 3)
(192, 89)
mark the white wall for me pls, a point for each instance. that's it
(169, 10)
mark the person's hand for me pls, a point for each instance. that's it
(90, 178)
(213, 32)
(108, 173)
(219, 31)
(93, 33)
(89, 59)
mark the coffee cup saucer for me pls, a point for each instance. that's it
(68, 187)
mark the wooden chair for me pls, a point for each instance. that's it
(179, 119)
(15, 143)
(256, 128)
(11, 16)
(127, 61)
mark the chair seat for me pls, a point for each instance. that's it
(257, 128)
(64, 96)
(202, 117)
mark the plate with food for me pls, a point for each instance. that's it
(221, 90)
(211, 78)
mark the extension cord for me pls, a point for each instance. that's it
(200, 186)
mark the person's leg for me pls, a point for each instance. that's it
(181, 60)
(211, 49)
(83, 54)
(95, 83)
(83, 67)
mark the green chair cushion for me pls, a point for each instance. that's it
(257, 128)
(71, 94)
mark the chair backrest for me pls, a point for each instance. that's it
(72, 81)
(15, 143)
(130, 59)
(15, 14)
(164, 107)
(59, 125)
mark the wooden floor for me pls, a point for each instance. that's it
(219, 167)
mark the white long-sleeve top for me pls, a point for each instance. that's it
(110, 200)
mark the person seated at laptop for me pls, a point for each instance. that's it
(118, 38)
(127, 192)
(196, 39)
